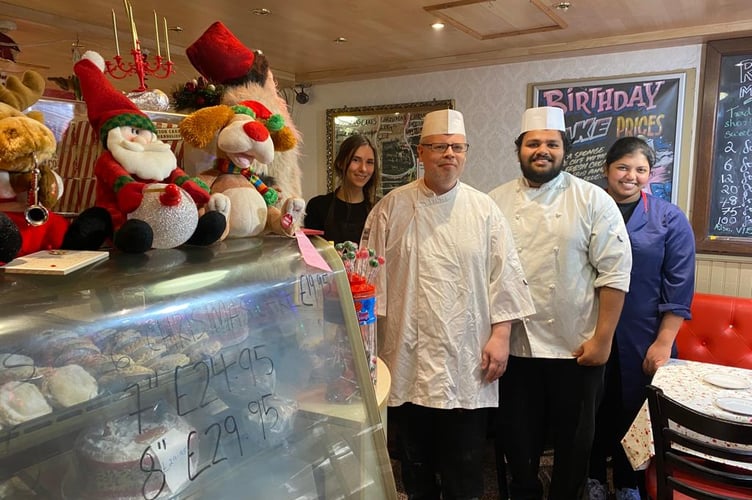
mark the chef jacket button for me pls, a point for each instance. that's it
(550, 321)
(519, 249)
(551, 286)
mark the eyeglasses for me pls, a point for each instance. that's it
(441, 147)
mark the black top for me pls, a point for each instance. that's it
(627, 208)
(340, 221)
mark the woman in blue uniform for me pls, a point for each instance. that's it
(659, 299)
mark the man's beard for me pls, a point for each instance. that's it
(537, 176)
(153, 163)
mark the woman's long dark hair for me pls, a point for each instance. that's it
(345, 155)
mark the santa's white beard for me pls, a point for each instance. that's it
(153, 163)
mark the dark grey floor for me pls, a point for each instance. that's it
(491, 489)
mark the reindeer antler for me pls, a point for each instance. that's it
(22, 93)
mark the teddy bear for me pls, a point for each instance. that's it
(244, 135)
(246, 77)
(29, 186)
(137, 170)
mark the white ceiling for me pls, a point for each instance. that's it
(384, 37)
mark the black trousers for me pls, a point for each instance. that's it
(611, 423)
(548, 401)
(440, 451)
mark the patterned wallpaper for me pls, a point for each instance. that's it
(492, 99)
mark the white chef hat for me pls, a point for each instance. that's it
(443, 121)
(543, 118)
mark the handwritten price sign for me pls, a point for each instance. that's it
(172, 453)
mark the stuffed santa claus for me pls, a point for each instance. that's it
(133, 159)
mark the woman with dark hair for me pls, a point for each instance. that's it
(342, 213)
(659, 299)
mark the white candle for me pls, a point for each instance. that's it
(135, 29)
(129, 16)
(156, 31)
(166, 39)
(114, 29)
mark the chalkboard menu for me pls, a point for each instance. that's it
(722, 214)
(393, 129)
(598, 112)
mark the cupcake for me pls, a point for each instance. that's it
(74, 353)
(168, 362)
(117, 341)
(16, 367)
(118, 380)
(21, 402)
(68, 386)
(99, 364)
(203, 349)
(147, 352)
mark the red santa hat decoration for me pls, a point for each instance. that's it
(106, 107)
(221, 58)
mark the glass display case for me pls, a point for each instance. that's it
(235, 371)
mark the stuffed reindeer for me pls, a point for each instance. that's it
(246, 78)
(29, 186)
(244, 136)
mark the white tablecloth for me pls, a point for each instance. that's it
(683, 381)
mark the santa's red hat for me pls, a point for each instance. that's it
(220, 57)
(106, 107)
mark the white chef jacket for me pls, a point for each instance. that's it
(451, 271)
(571, 238)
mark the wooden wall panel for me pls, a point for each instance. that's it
(723, 276)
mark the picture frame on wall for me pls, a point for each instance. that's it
(599, 111)
(394, 130)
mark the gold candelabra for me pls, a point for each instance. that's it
(141, 67)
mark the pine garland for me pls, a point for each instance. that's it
(197, 94)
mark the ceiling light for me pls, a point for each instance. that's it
(262, 12)
(438, 25)
(562, 6)
(340, 39)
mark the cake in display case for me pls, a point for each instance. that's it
(235, 371)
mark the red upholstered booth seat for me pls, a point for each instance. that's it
(719, 332)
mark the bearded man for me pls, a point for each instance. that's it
(576, 255)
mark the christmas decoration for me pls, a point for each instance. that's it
(197, 94)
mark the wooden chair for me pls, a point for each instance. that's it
(674, 474)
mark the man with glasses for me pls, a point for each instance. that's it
(576, 255)
(451, 287)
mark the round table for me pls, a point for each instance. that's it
(383, 386)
